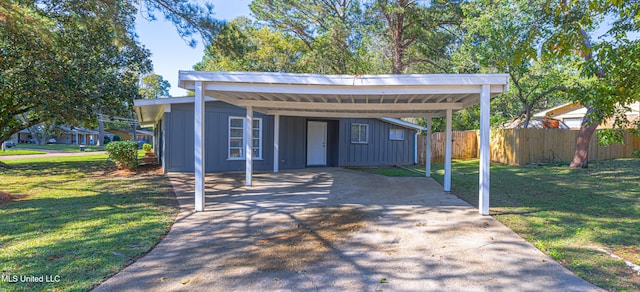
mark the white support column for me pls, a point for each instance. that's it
(485, 152)
(198, 146)
(447, 154)
(427, 147)
(276, 142)
(248, 145)
(415, 148)
(77, 139)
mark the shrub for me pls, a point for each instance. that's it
(123, 153)
(147, 147)
(116, 138)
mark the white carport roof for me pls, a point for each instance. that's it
(356, 96)
(372, 96)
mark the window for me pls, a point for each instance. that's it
(396, 134)
(236, 138)
(359, 133)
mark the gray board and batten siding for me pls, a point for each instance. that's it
(379, 150)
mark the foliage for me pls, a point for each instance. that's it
(243, 45)
(72, 220)
(63, 61)
(503, 37)
(570, 214)
(147, 147)
(116, 138)
(331, 31)
(609, 75)
(60, 72)
(123, 153)
(417, 37)
(154, 86)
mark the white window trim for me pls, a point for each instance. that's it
(396, 139)
(243, 157)
(366, 140)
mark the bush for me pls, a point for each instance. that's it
(116, 138)
(123, 153)
(147, 147)
(106, 140)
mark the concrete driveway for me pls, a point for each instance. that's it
(330, 229)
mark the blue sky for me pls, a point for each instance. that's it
(171, 53)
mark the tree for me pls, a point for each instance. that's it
(417, 34)
(609, 79)
(63, 61)
(503, 37)
(331, 30)
(154, 86)
(242, 45)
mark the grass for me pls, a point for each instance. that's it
(58, 147)
(570, 214)
(387, 171)
(10, 152)
(74, 220)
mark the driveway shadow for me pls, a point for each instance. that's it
(337, 230)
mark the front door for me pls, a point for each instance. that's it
(316, 143)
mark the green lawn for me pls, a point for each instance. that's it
(10, 152)
(388, 171)
(567, 213)
(58, 147)
(76, 221)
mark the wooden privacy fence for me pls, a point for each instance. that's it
(465, 146)
(525, 146)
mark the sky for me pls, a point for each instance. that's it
(169, 52)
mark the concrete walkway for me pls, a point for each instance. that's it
(329, 229)
(49, 154)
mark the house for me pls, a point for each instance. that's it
(80, 135)
(304, 141)
(67, 135)
(23, 136)
(258, 120)
(536, 123)
(572, 113)
(127, 134)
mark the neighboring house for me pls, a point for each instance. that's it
(21, 137)
(537, 123)
(572, 113)
(127, 134)
(68, 135)
(304, 141)
(79, 135)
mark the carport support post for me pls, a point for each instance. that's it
(485, 153)
(427, 147)
(276, 142)
(248, 145)
(447, 153)
(198, 146)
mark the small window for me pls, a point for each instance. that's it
(396, 134)
(236, 138)
(359, 133)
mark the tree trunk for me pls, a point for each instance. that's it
(527, 117)
(134, 126)
(581, 156)
(100, 141)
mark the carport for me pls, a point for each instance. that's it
(336, 96)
